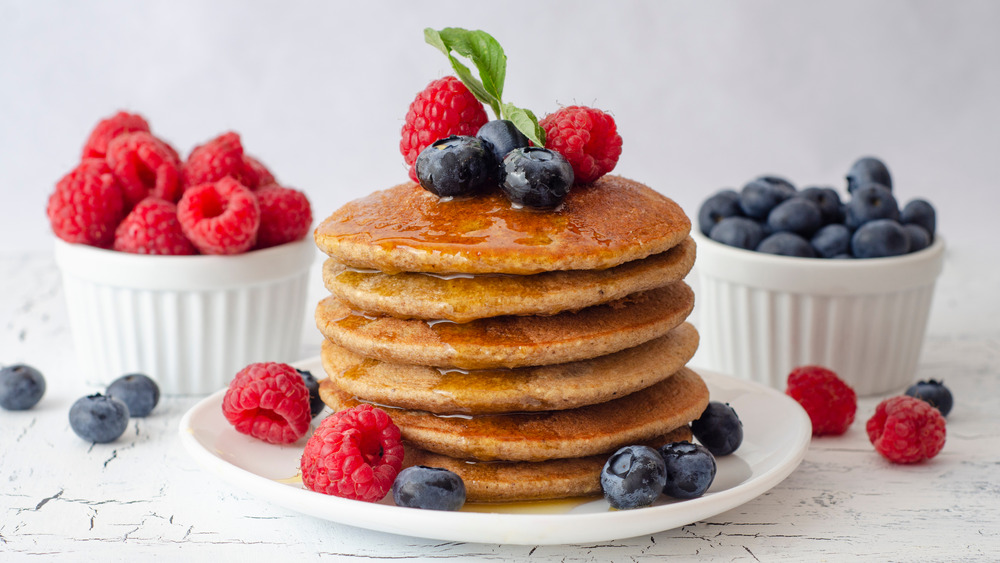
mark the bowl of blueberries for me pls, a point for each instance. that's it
(791, 277)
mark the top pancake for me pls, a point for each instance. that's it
(408, 229)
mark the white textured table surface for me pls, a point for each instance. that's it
(142, 496)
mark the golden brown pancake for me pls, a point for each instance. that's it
(465, 297)
(541, 436)
(509, 341)
(408, 229)
(541, 388)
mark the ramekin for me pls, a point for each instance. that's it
(762, 315)
(189, 322)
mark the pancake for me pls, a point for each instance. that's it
(465, 297)
(542, 388)
(513, 481)
(509, 341)
(541, 436)
(408, 229)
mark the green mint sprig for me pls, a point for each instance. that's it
(488, 57)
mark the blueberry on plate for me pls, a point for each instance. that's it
(740, 232)
(315, 401)
(870, 203)
(919, 239)
(830, 206)
(137, 391)
(718, 428)
(760, 196)
(879, 239)
(796, 215)
(778, 182)
(690, 469)
(919, 212)
(501, 136)
(429, 488)
(633, 477)
(722, 204)
(21, 387)
(535, 177)
(935, 393)
(786, 244)
(868, 170)
(456, 166)
(832, 241)
(98, 418)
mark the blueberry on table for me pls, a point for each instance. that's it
(315, 401)
(456, 166)
(137, 391)
(920, 212)
(722, 204)
(828, 200)
(759, 197)
(429, 488)
(690, 468)
(21, 387)
(718, 428)
(879, 239)
(870, 203)
(535, 177)
(919, 239)
(740, 232)
(633, 477)
(933, 392)
(796, 215)
(832, 241)
(502, 136)
(868, 170)
(98, 418)
(786, 244)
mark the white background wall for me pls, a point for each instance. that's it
(706, 94)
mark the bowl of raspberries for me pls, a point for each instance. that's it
(185, 269)
(792, 277)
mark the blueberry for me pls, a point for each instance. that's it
(830, 206)
(796, 215)
(315, 401)
(633, 477)
(456, 166)
(718, 428)
(786, 244)
(97, 418)
(878, 239)
(690, 469)
(740, 232)
(935, 393)
(919, 239)
(759, 197)
(844, 256)
(725, 203)
(429, 488)
(870, 203)
(137, 391)
(501, 137)
(868, 170)
(919, 212)
(832, 241)
(21, 387)
(778, 182)
(535, 177)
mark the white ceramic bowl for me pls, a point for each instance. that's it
(190, 322)
(762, 315)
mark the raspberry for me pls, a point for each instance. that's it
(445, 107)
(906, 430)
(219, 217)
(285, 215)
(107, 129)
(144, 166)
(829, 402)
(263, 175)
(354, 454)
(152, 228)
(86, 205)
(268, 401)
(221, 157)
(587, 137)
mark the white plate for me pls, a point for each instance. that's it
(776, 435)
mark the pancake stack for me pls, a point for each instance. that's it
(517, 348)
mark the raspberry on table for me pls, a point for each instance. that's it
(144, 166)
(220, 217)
(220, 158)
(444, 108)
(109, 128)
(87, 205)
(830, 403)
(152, 228)
(285, 215)
(355, 454)
(905, 429)
(587, 137)
(268, 401)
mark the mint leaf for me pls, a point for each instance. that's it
(526, 122)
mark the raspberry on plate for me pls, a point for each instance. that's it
(144, 166)
(86, 205)
(830, 403)
(905, 429)
(220, 217)
(152, 228)
(444, 108)
(285, 215)
(258, 171)
(268, 401)
(107, 129)
(587, 137)
(220, 158)
(355, 454)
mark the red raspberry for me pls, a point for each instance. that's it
(217, 159)
(152, 228)
(445, 107)
(354, 454)
(587, 137)
(906, 430)
(220, 217)
(86, 205)
(144, 166)
(285, 215)
(107, 129)
(268, 401)
(263, 175)
(830, 403)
